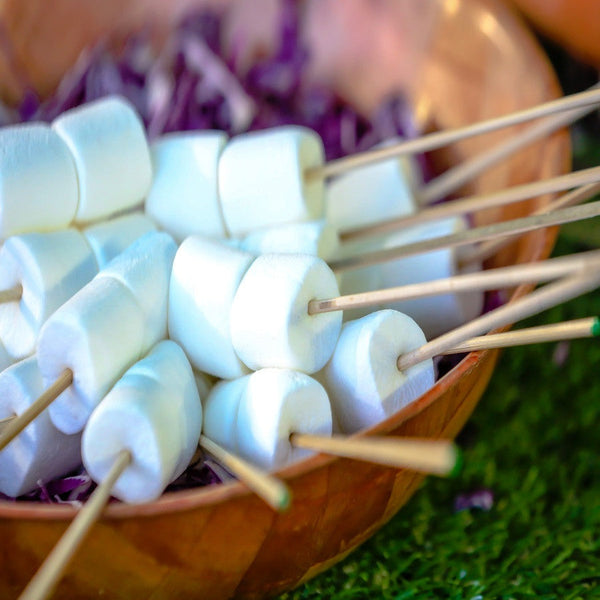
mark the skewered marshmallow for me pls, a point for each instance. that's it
(184, 197)
(98, 334)
(105, 327)
(109, 238)
(5, 358)
(38, 182)
(270, 324)
(317, 238)
(206, 275)
(41, 453)
(50, 267)
(372, 193)
(155, 413)
(145, 269)
(440, 313)
(362, 379)
(255, 415)
(261, 178)
(108, 143)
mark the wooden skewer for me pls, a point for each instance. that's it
(273, 491)
(556, 332)
(491, 279)
(11, 430)
(535, 302)
(487, 249)
(435, 457)
(476, 203)
(45, 580)
(12, 294)
(444, 138)
(469, 236)
(455, 177)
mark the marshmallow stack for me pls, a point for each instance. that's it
(254, 415)
(105, 327)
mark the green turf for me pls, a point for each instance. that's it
(534, 440)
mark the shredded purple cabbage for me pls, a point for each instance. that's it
(482, 499)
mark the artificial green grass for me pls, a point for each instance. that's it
(533, 440)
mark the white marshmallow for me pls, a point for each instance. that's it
(109, 238)
(317, 238)
(98, 334)
(362, 379)
(206, 276)
(40, 453)
(273, 404)
(144, 267)
(108, 143)
(440, 313)
(220, 412)
(270, 324)
(38, 182)
(184, 197)
(373, 193)
(261, 178)
(50, 267)
(155, 413)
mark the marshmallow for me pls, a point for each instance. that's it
(108, 143)
(317, 238)
(261, 178)
(109, 238)
(440, 313)
(206, 276)
(220, 412)
(184, 197)
(273, 404)
(270, 324)
(153, 412)
(362, 379)
(40, 453)
(98, 334)
(38, 182)
(204, 384)
(145, 269)
(50, 267)
(373, 193)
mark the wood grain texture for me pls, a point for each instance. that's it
(476, 61)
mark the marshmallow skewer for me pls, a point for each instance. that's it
(46, 578)
(469, 236)
(452, 179)
(435, 457)
(478, 202)
(273, 491)
(491, 279)
(443, 138)
(535, 302)
(555, 332)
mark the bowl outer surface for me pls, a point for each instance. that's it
(223, 541)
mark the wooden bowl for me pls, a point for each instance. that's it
(475, 61)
